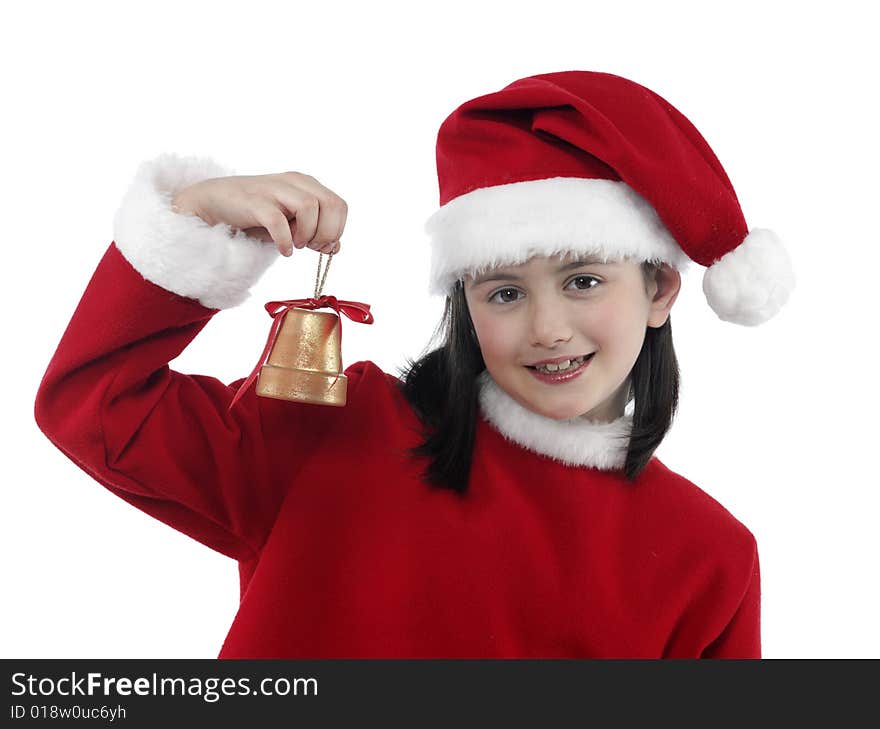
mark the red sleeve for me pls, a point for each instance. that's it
(741, 637)
(162, 440)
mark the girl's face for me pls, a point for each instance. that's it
(567, 306)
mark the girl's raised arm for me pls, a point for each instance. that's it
(162, 440)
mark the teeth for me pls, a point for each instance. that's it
(566, 364)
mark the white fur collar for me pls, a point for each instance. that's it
(575, 442)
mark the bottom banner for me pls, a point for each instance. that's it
(135, 693)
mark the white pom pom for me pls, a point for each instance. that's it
(751, 283)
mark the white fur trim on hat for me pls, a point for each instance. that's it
(574, 442)
(182, 253)
(752, 282)
(508, 224)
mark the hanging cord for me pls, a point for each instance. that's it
(320, 287)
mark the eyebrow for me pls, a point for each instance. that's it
(503, 276)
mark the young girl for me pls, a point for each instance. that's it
(501, 499)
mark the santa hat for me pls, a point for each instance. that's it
(590, 162)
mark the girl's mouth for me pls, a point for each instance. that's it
(564, 375)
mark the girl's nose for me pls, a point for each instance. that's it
(549, 323)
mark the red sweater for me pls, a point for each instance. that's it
(343, 552)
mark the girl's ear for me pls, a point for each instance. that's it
(665, 287)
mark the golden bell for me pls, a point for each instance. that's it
(305, 360)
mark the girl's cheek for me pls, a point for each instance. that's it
(493, 342)
(615, 315)
(624, 329)
(483, 328)
(498, 338)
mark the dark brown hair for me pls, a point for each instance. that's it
(441, 386)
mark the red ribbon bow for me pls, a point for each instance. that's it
(354, 310)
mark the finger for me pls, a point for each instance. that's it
(339, 209)
(344, 219)
(299, 182)
(316, 231)
(328, 199)
(305, 213)
(308, 183)
(275, 221)
(332, 210)
(259, 233)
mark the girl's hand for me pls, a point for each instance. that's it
(291, 209)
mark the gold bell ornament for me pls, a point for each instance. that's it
(302, 359)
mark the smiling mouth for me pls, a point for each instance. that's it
(574, 363)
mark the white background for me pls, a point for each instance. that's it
(777, 422)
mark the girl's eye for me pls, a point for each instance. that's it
(582, 277)
(502, 291)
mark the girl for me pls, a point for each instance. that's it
(501, 499)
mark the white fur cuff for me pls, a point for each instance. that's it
(182, 253)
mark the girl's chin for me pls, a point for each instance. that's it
(565, 411)
(567, 414)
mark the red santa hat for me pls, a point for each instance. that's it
(590, 162)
